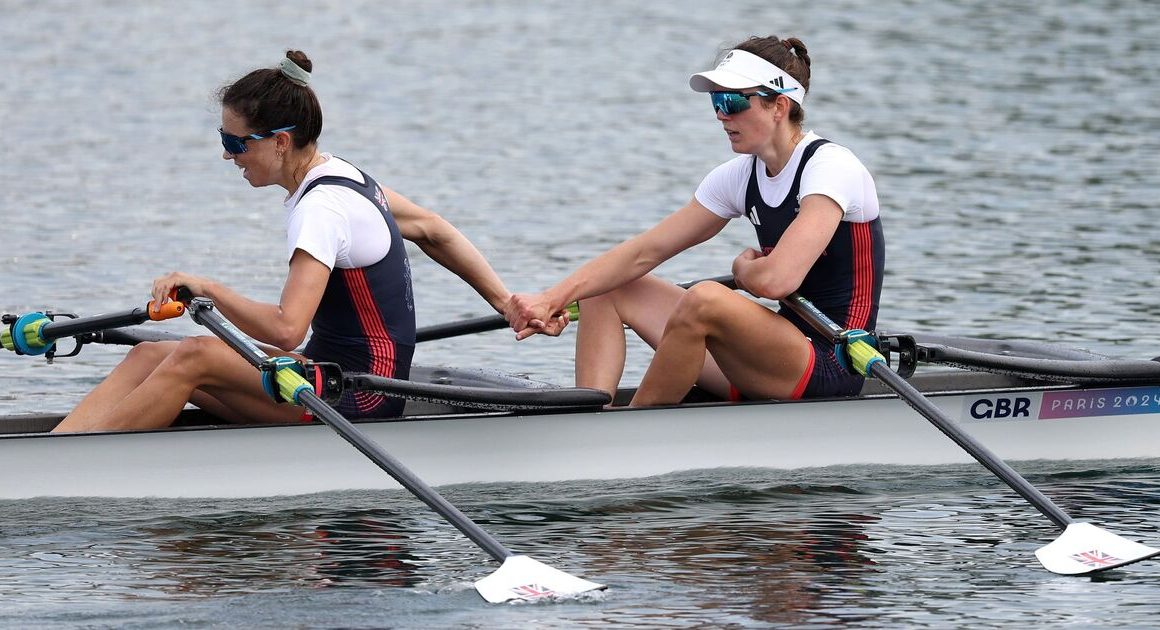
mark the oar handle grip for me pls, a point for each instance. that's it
(25, 334)
(36, 333)
(168, 310)
(863, 356)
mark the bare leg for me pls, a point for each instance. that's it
(645, 306)
(137, 365)
(600, 344)
(195, 363)
(760, 352)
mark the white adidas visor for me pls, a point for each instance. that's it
(740, 70)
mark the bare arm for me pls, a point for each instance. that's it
(781, 272)
(283, 325)
(688, 226)
(447, 246)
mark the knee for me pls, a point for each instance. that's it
(700, 306)
(193, 354)
(599, 302)
(616, 298)
(149, 353)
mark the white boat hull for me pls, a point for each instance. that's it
(254, 461)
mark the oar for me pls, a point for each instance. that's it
(497, 322)
(35, 333)
(499, 398)
(519, 576)
(1081, 549)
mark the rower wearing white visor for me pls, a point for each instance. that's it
(815, 210)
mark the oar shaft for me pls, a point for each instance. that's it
(488, 323)
(485, 323)
(203, 313)
(981, 453)
(403, 475)
(859, 351)
(61, 328)
(35, 333)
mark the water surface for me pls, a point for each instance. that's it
(1016, 150)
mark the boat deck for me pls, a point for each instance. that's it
(934, 383)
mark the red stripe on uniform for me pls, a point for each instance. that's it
(378, 338)
(800, 389)
(862, 295)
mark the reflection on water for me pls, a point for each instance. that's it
(236, 555)
(867, 545)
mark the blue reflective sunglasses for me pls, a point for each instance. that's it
(730, 103)
(237, 144)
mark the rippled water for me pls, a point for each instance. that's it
(879, 547)
(1016, 149)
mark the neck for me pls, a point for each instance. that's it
(296, 165)
(777, 155)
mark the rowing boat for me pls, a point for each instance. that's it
(1036, 403)
(1048, 404)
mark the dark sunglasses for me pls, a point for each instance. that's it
(237, 144)
(730, 103)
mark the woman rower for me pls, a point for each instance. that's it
(815, 209)
(348, 275)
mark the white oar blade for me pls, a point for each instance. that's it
(522, 578)
(1084, 548)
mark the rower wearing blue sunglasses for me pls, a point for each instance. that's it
(235, 145)
(348, 281)
(815, 210)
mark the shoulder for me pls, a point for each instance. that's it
(834, 171)
(738, 168)
(834, 155)
(332, 167)
(732, 176)
(314, 194)
(723, 189)
(312, 189)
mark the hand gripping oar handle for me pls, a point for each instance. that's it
(35, 333)
(517, 577)
(487, 323)
(868, 361)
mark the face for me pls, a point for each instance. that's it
(751, 130)
(261, 163)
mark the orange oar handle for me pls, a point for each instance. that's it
(168, 310)
(178, 297)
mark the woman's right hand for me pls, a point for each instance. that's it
(170, 282)
(741, 266)
(530, 314)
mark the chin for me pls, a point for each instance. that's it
(253, 182)
(739, 149)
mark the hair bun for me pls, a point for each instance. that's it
(300, 58)
(296, 67)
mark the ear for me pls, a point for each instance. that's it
(283, 141)
(773, 105)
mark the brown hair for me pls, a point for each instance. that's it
(268, 99)
(788, 54)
